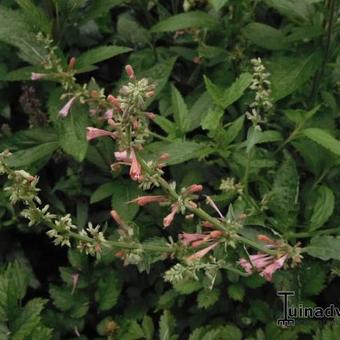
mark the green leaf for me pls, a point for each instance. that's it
(35, 16)
(98, 9)
(212, 120)
(27, 320)
(312, 278)
(323, 207)
(124, 192)
(323, 138)
(289, 73)
(198, 110)
(26, 157)
(99, 54)
(167, 325)
(257, 137)
(179, 151)
(102, 192)
(236, 292)
(330, 331)
(180, 110)
(187, 287)
(324, 248)
(226, 97)
(300, 116)
(165, 124)
(232, 131)
(129, 30)
(72, 132)
(218, 4)
(148, 327)
(296, 10)
(108, 291)
(194, 19)
(207, 298)
(284, 194)
(216, 333)
(265, 36)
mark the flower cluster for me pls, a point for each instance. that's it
(267, 264)
(261, 86)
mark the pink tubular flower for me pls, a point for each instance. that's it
(188, 238)
(116, 217)
(143, 200)
(122, 156)
(266, 264)
(66, 109)
(259, 261)
(130, 72)
(193, 188)
(169, 218)
(202, 252)
(114, 101)
(92, 133)
(268, 272)
(135, 169)
(37, 76)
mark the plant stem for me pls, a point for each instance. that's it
(308, 234)
(202, 213)
(319, 74)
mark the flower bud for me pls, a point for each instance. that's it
(130, 72)
(72, 63)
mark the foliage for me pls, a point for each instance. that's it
(226, 114)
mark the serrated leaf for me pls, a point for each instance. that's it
(265, 36)
(330, 331)
(324, 247)
(312, 278)
(167, 324)
(300, 116)
(323, 138)
(180, 110)
(296, 10)
(26, 157)
(232, 131)
(218, 4)
(283, 196)
(212, 120)
(72, 132)
(187, 287)
(27, 320)
(289, 73)
(207, 298)
(226, 97)
(179, 151)
(99, 54)
(198, 110)
(323, 207)
(108, 291)
(148, 327)
(35, 16)
(182, 21)
(103, 191)
(236, 292)
(123, 193)
(165, 124)
(98, 9)
(217, 333)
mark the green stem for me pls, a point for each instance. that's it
(308, 234)
(202, 213)
(320, 73)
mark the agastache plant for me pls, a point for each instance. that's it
(127, 123)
